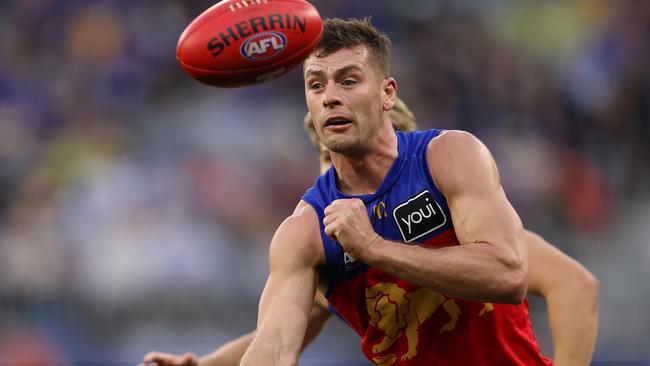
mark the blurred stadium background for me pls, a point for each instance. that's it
(136, 205)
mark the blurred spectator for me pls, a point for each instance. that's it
(26, 346)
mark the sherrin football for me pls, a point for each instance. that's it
(245, 42)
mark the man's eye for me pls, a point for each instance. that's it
(349, 82)
(315, 86)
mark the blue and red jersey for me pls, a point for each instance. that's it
(400, 323)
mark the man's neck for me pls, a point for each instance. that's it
(364, 174)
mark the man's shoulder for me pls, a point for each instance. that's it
(415, 142)
(457, 156)
(454, 140)
(300, 233)
(302, 223)
(303, 214)
(454, 144)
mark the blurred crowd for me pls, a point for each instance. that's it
(136, 204)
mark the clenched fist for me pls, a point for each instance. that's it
(346, 221)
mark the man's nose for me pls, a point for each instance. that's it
(331, 98)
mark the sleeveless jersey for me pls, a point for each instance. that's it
(400, 323)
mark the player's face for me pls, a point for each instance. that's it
(345, 98)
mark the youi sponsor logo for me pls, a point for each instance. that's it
(418, 216)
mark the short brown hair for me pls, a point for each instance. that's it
(345, 33)
(400, 116)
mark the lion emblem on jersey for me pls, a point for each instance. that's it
(397, 313)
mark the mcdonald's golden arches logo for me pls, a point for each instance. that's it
(379, 210)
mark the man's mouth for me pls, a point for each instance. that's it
(337, 121)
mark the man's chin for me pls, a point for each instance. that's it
(343, 145)
(339, 144)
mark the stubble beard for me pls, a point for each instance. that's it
(348, 145)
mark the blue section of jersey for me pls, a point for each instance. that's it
(407, 206)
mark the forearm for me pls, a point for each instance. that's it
(285, 307)
(230, 353)
(317, 320)
(571, 294)
(477, 272)
(573, 316)
(281, 330)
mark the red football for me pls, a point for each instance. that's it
(244, 42)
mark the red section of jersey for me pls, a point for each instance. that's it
(402, 324)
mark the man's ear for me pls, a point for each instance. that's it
(389, 87)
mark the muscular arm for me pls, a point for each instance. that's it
(288, 295)
(320, 314)
(571, 294)
(231, 353)
(488, 266)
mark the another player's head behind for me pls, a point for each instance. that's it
(400, 117)
(347, 85)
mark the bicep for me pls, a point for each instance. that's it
(467, 175)
(486, 217)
